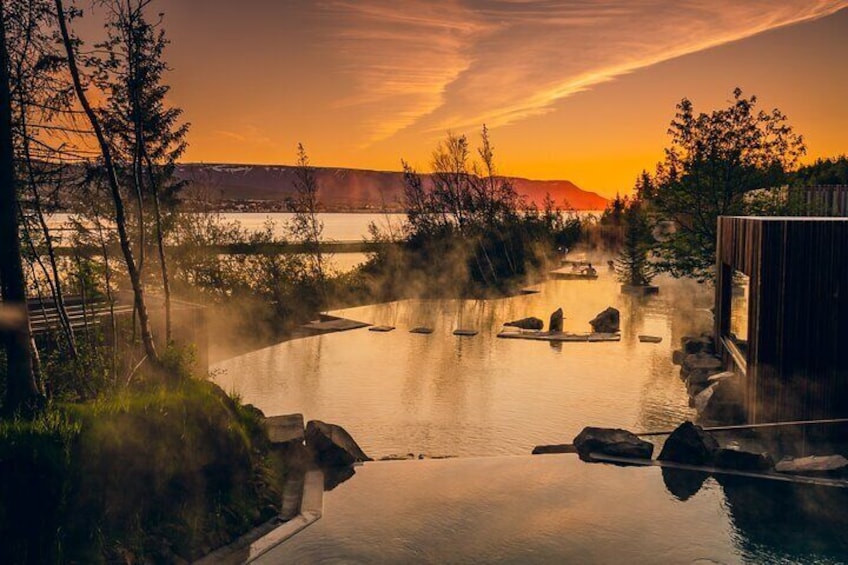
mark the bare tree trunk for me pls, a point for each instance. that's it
(160, 242)
(22, 395)
(107, 274)
(55, 284)
(166, 285)
(120, 215)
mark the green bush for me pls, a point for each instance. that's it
(151, 474)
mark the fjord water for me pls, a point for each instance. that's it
(440, 394)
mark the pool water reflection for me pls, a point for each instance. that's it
(440, 394)
(557, 509)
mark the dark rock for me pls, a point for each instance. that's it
(693, 389)
(607, 321)
(689, 444)
(558, 448)
(814, 465)
(254, 411)
(334, 476)
(527, 324)
(421, 330)
(677, 357)
(683, 483)
(609, 441)
(701, 344)
(704, 361)
(701, 376)
(285, 428)
(740, 460)
(332, 446)
(555, 324)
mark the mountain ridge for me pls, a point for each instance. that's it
(346, 189)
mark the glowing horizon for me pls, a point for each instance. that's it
(580, 91)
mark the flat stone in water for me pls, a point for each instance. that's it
(421, 330)
(558, 448)
(813, 465)
(650, 339)
(558, 336)
(381, 329)
(465, 333)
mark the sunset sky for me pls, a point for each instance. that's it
(580, 90)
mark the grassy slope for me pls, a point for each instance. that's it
(153, 475)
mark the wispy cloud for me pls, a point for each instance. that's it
(431, 65)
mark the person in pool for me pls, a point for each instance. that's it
(589, 271)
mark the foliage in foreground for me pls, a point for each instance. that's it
(715, 159)
(153, 474)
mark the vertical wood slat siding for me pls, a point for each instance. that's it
(825, 200)
(798, 313)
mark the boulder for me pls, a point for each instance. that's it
(332, 446)
(702, 361)
(701, 344)
(814, 465)
(607, 322)
(677, 357)
(741, 460)
(694, 387)
(555, 324)
(334, 476)
(530, 323)
(689, 444)
(609, 441)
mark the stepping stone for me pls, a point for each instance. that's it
(596, 337)
(465, 333)
(559, 448)
(286, 428)
(421, 330)
(529, 291)
(381, 329)
(649, 339)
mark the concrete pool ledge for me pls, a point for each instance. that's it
(268, 536)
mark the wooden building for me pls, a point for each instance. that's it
(794, 311)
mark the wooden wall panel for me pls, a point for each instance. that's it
(797, 366)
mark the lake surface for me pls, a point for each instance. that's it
(557, 509)
(440, 394)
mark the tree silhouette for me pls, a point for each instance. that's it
(713, 160)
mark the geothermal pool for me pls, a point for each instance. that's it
(441, 395)
(488, 401)
(557, 509)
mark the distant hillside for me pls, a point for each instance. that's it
(352, 189)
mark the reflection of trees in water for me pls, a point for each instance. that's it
(663, 388)
(776, 521)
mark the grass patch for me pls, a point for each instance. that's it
(152, 474)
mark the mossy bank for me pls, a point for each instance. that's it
(155, 474)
